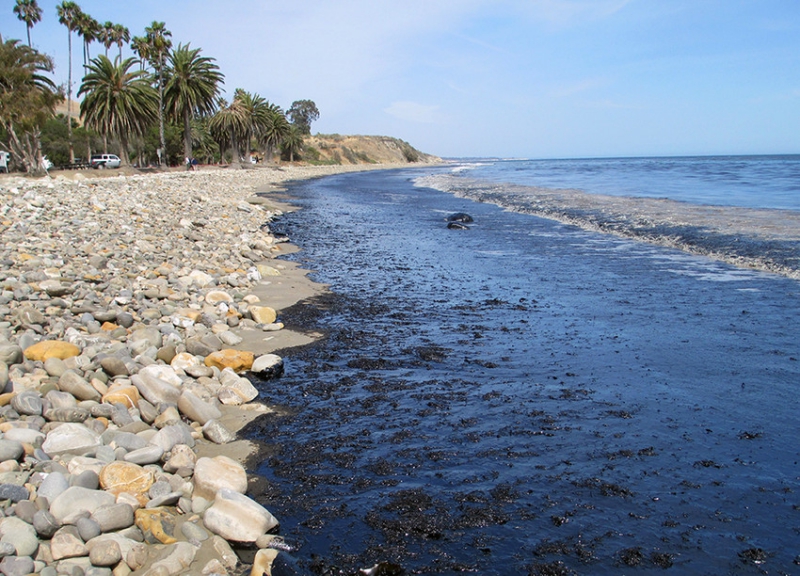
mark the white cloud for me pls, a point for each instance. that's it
(414, 112)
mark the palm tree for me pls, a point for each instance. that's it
(140, 47)
(229, 125)
(120, 34)
(107, 35)
(89, 29)
(68, 13)
(256, 110)
(28, 11)
(293, 142)
(276, 130)
(192, 88)
(118, 102)
(158, 38)
(27, 100)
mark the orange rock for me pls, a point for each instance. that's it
(51, 349)
(157, 524)
(238, 360)
(263, 314)
(109, 326)
(127, 395)
(118, 477)
(6, 398)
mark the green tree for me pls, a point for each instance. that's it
(28, 99)
(107, 35)
(28, 11)
(302, 114)
(118, 102)
(292, 143)
(90, 30)
(159, 43)
(120, 35)
(68, 13)
(276, 130)
(140, 47)
(191, 89)
(229, 126)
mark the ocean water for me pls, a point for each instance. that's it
(746, 181)
(528, 396)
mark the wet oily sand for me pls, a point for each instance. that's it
(527, 398)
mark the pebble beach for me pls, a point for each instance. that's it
(132, 306)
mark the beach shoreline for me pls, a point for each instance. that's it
(134, 274)
(750, 238)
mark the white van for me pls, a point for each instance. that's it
(4, 158)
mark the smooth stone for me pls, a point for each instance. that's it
(217, 296)
(118, 477)
(214, 474)
(237, 391)
(71, 382)
(28, 403)
(169, 417)
(87, 528)
(262, 314)
(10, 354)
(184, 360)
(215, 431)
(124, 544)
(19, 534)
(60, 399)
(55, 366)
(230, 338)
(196, 347)
(86, 479)
(166, 373)
(145, 455)
(268, 366)
(236, 360)
(17, 565)
(128, 396)
(155, 390)
(67, 543)
(77, 501)
(25, 510)
(54, 484)
(45, 524)
(236, 517)
(10, 449)
(168, 499)
(181, 456)
(25, 436)
(71, 438)
(105, 553)
(193, 532)
(196, 409)
(114, 517)
(177, 560)
(114, 366)
(13, 492)
(171, 435)
(126, 440)
(45, 349)
(72, 414)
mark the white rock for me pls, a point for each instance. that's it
(236, 517)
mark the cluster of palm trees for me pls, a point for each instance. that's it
(124, 98)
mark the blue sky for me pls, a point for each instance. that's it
(508, 78)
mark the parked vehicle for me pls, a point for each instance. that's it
(102, 161)
(4, 158)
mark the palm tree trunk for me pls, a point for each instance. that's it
(29, 35)
(69, 100)
(161, 111)
(123, 150)
(187, 133)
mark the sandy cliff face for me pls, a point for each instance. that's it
(337, 149)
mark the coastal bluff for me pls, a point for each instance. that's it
(354, 149)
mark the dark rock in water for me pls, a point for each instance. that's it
(457, 226)
(459, 217)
